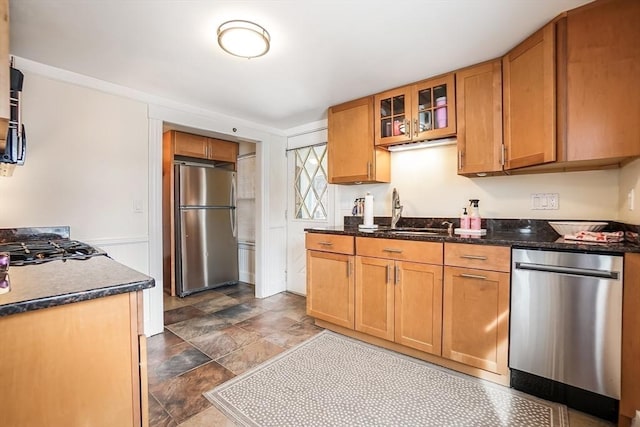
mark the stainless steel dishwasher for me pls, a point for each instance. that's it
(566, 328)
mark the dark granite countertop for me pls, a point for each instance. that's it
(63, 282)
(514, 233)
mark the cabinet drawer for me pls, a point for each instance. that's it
(330, 243)
(401, 250)
(484, 257)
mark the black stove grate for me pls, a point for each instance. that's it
(37, 252)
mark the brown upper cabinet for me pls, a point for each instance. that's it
(352, 156)
(5, 111)
(479, 116)
(201, 147)
(529, 109)
(417, 112)
(566, 98)
(599, 76)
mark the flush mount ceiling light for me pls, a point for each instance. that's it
(243, 38)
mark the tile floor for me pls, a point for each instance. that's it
(215, 335)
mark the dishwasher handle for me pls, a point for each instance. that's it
(575, 271)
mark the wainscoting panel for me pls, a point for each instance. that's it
(247, 262)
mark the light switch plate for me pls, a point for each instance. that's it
(545, 201)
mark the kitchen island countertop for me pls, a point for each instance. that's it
(511, 238)
(60, 282)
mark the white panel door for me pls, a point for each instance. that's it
(309, 204)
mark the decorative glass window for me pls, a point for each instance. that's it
(310, 182)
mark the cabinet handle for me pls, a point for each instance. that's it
(416, 127)
(502, 154)
(473, 276)
(388, 273)
(392, 250)
(325, 243)
(397, 276)
(477, 257)
(368, 170)
(459, 160)
(407, 128)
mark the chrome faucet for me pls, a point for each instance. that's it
(396, 208)
(449, 227)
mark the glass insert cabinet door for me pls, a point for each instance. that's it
(392, 110)
(424, 110)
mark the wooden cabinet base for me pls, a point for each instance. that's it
(450, 364)
(71, 365)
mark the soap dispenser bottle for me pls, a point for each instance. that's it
(465, 221)
(474, 214)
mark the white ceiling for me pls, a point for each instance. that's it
(323, 52)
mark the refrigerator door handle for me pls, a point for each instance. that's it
(232, 211)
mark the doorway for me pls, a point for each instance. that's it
(309, 204)
(246, 212)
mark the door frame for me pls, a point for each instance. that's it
(315, 135)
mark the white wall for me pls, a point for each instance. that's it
(429, 186)
(86, 163)
(629, 179)
(94, 152)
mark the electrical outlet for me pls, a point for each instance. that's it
(545, 201)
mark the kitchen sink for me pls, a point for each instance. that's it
(420, 231)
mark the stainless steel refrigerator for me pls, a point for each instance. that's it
(206, 232)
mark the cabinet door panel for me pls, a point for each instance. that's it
(603, 88)
(350, 148)
(630, 386)
(476, 318)
(418, 306)
(190, 145)
(374, 297)
(529, 101)
(224, 151)
(392, 112)
(434, 108)
(330, 287)
(479, 115)
(71, 365)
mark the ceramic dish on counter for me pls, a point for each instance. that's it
(573, 227)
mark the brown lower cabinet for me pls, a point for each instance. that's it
(411, 309)
(476, 318)
(476, 305)
(330, 278)
(78, 364)
(447, 304)
(630, 383)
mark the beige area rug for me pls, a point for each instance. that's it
(333, 380)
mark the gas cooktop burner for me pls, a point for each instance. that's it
(37, 252)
